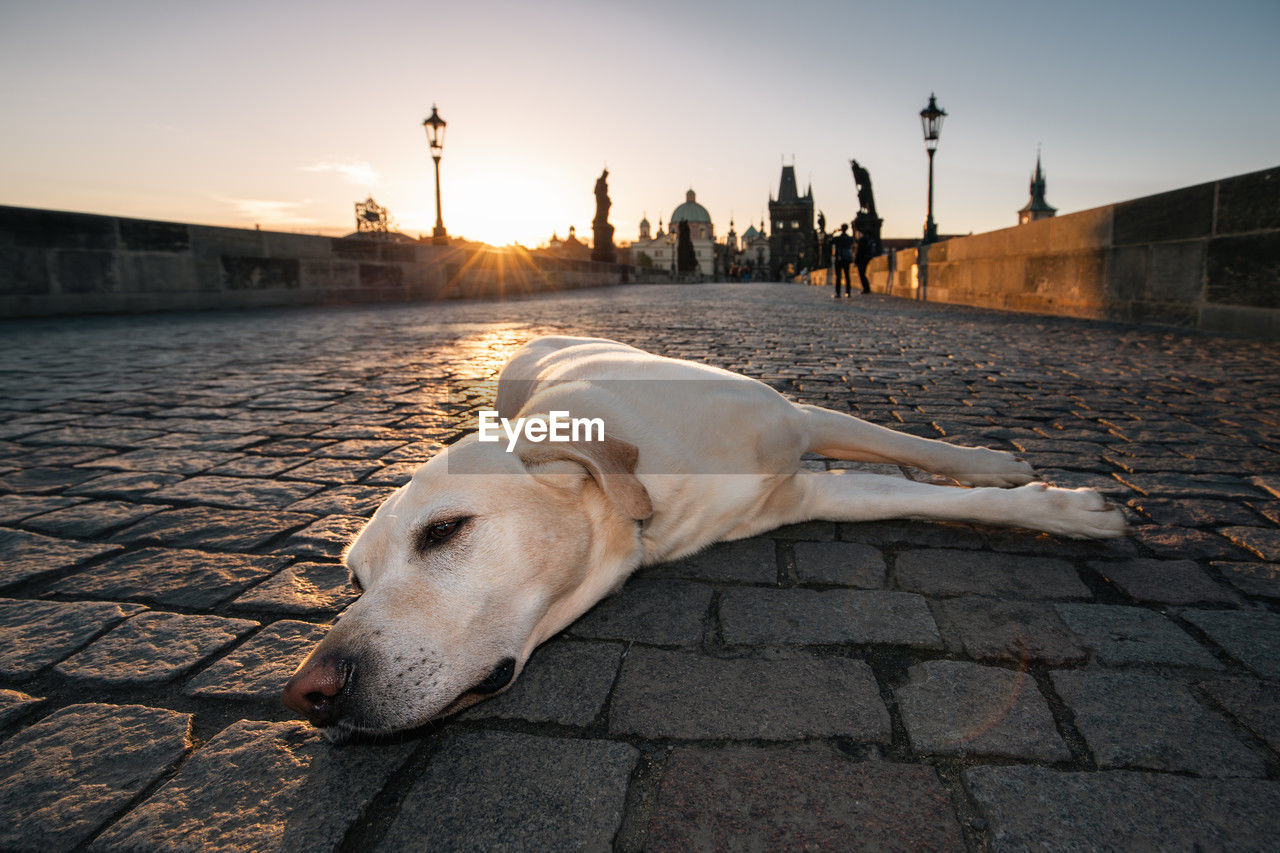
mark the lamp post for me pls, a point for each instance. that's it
(435, 138)
(931, 123)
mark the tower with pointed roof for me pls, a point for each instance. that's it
(644, 228)
(791, 239)
(1037, 207)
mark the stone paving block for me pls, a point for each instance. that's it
(1035, 808)
(1265, 542)
(58, 456)
(257, 670)
(961, 708)
(302, 589)
(840, 563)
(1261, 579)
(126, 484)
(209, 527)
(665, 613)
(14, 704)
(1187, 543)
(332, 470)
(1269, 510)
(1144, 722)
(44, 481)
(34, 634)
(14, 508)
(1191, 485)
(943, 572)
(26, 555)
(1193, 512)
(344, 500)
(260, 786)
(799, 799)
(502, 790)
(154, 647)
(418, 451)
(358, 449)
(68, 774)
(91, 435)
(253, 465)
(1120, 636)
(204, 441)
(1269, 483)
(748, 560)
(986, 629)
(667, 694)
(90, 520)
(1165, 582)
(162, 459)
(235, 492)
(1251, 637)
(325, 537)
(807, 616)
(395, 475)
(563, 682)
(1255, 704)
(170, 576)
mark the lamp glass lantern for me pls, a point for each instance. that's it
(931, 122)
(435, 131)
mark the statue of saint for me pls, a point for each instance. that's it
(602, 196)
(602, 249)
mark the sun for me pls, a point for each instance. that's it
(500, 206)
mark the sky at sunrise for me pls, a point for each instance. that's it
(284, 114)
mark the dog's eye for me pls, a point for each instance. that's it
(434, 534)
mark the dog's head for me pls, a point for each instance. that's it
(465, 570)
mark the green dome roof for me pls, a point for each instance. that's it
(690, 211)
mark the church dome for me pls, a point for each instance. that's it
(690, 211)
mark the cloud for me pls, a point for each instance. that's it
(266, 212)
(358, 172)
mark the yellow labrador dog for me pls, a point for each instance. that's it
(495, 546)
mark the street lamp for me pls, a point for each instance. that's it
(931, 123)
(435, 138)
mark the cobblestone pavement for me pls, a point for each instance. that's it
(175, 490)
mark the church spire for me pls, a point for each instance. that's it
(1037, 207)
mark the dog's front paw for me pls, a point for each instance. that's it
(985, 467)
(1075, 513)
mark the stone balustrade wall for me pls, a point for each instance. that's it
(54, 263)
(1205, 257)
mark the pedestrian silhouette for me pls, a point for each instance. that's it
(842, 246)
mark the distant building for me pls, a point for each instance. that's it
(792, 237)
(661, 248)
(569, 247)
(1037, 208)
(755, 248)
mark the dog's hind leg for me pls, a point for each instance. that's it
(853, 496)
(841, 436)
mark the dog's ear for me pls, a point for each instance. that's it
(611, 462)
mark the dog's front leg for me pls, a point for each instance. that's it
(851, 496)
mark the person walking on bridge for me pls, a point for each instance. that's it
(842, 245)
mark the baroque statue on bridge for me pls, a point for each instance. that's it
(602, 244)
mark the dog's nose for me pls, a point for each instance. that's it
(498, 679)
(315, 689)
